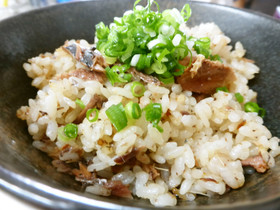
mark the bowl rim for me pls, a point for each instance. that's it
(198, 2)
(37, 193)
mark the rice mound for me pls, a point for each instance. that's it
(199, 152)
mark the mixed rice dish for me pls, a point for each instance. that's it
(161, 112)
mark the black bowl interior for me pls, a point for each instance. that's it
(28, 173)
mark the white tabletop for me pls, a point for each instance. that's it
(9, 201)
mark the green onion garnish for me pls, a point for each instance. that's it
(133, 110)
(117, 74)
(117, 116)
(80, 103)
(239, 97)
(224, 89)
(158, 67)
(71, 130)
(216, 58)
(166, 78)
(202, 46)
(137, 89)
(186, 12)
(61, 135)
(149, 40)
(153, 114)
(254, 107)
(89, 115)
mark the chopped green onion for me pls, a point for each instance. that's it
(149, 40)
(71, 130)
(102, 31)
(224, 89)
(80, 103)
(90, 112)
(166, 78)
(239, 97)
(163, 54)
(117, 74)
(160, 129)
(167, 81)
(254, 107)
(133, 110)
(216, 58)
(186, 12)
(144, 61)
(159, 67)
(202, 46)
(261, 112)
(61, 135)
(137, 89)
(153, 114)
(117, 116)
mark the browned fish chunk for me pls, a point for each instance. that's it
(86, 56)
(200, 96)
(257, 162)
(85, 75)
(83, 175)
(118, 189)
(209, 76)
(137, 75)
(124, 158)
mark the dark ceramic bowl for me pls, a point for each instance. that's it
(28, 173)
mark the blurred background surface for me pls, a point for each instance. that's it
(12, 7)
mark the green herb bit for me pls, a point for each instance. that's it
(186, 12)
(224, 89)
(166, 78)
(133, 110)
(80, 103)
(117, 116)
(216, 58)
(254, 107)
(117, 74)
(61, 135)
(102, 31)
(89, 114)
(158, 67)
(239, 97)
(71, 130)
(137, 89)
(153, 114)
(202, 46)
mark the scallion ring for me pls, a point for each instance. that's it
(133, 110)
(137, 89)
(61, 135)
(153, 114)
(80, 103)
(89, 115)
(71, 130)
(117, 116)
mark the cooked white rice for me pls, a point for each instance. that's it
(197, 154)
